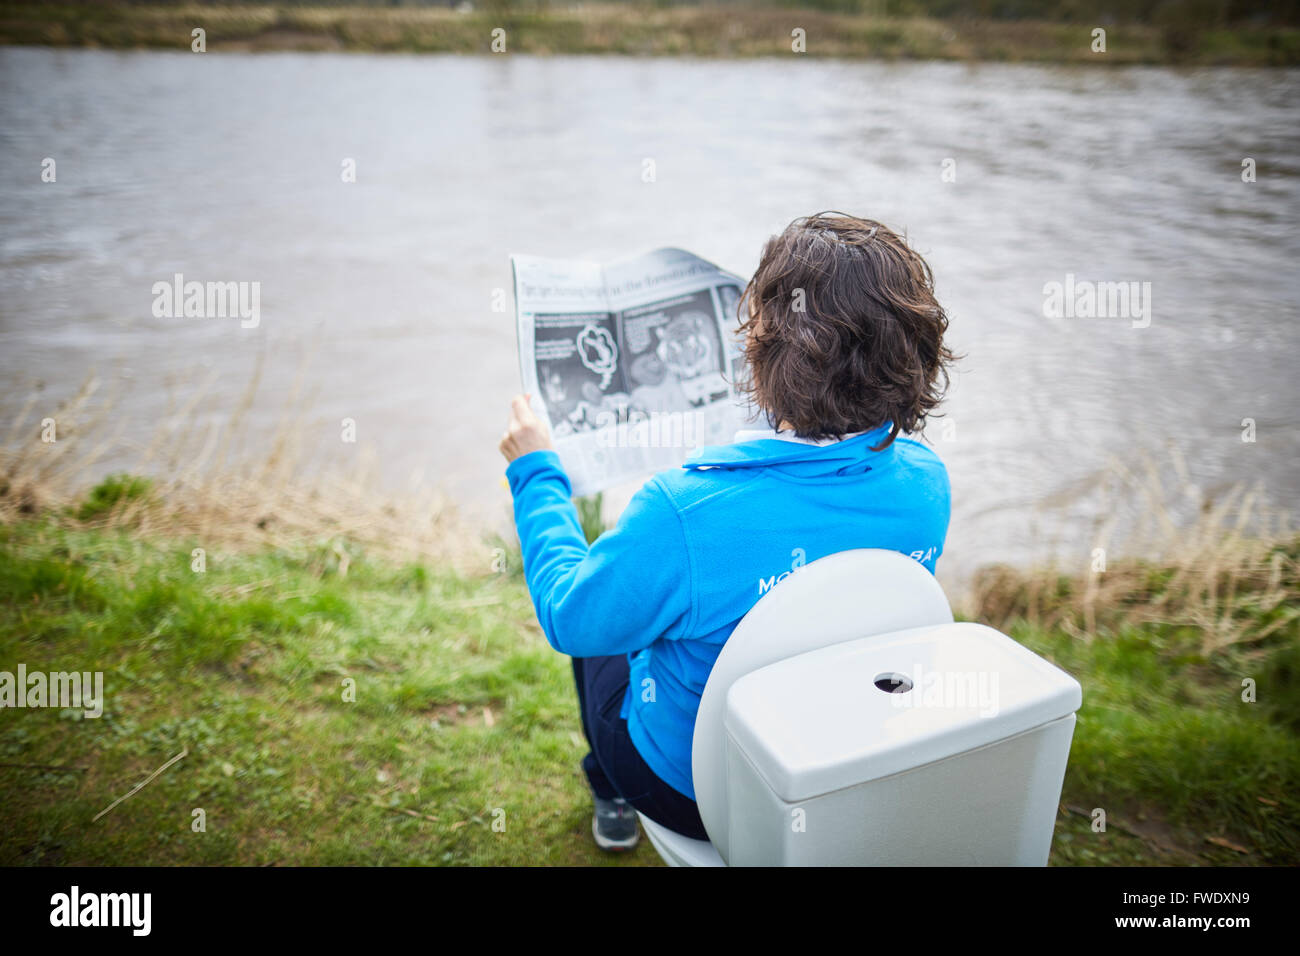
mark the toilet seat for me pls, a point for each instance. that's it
(678, 850)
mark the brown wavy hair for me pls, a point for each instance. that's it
(843, 332)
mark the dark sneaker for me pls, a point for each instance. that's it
(614, 825)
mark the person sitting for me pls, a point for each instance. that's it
(845, 357)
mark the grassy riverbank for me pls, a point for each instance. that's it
(464, 718)
(649, 30)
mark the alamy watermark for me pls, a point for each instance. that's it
(624, 429)
(923, 687)
(73, 690)
(208, 300)
(1085, 299)
(130, 910)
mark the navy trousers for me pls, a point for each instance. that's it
(613, 767)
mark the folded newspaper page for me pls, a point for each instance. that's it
(631, 363)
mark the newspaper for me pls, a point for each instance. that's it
(631, 363)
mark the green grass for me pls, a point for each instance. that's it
(115, 491)
(244, 665)
(1167, 747)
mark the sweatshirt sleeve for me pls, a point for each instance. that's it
(624, 592)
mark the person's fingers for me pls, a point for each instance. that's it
(523, 412)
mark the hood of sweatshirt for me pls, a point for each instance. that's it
(851, 456)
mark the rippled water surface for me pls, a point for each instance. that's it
(227, 167)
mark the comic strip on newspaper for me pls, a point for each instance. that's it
(633, 363)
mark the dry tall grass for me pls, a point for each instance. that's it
(1231, 571)
(209, 484)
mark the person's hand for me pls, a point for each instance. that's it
(525, 432)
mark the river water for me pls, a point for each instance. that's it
(380, 292)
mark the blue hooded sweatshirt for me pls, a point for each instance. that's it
(698, 546)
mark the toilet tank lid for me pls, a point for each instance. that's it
(826, 720)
